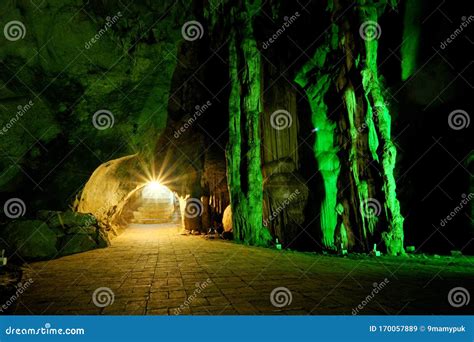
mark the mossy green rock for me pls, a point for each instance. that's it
(30, 239)
(77, 243)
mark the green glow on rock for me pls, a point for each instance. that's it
(411, 37)
(325, 149)
(369, 222)
(243, 150)
(394, 236)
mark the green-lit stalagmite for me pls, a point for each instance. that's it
(325, 149)
(243, 150)
(393, 236)
(353, 145)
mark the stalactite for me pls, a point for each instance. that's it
(243, 152)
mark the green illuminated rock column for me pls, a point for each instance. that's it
(243, 150)
(353, 146)
(393, 236)
(325, 149)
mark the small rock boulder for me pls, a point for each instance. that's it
(227, 219)
(30, 239)
(102, 239)
(71, 219)
(76, 243)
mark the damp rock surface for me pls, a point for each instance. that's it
(30, 239)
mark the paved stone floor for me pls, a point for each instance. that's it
(154, 270)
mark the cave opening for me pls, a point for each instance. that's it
(154, 203)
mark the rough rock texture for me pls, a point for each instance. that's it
(53, 234)
(29, 239)
(109, 188)
(285, 197)
(76, 243)
(55, 79)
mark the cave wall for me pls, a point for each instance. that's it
(88, 83)
(127, 97)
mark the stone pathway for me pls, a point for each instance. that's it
(155, 271)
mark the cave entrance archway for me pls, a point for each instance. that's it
(154, 203)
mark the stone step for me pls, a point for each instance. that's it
(150, 221)
(155, 203)
(154, 214)
(155, 210)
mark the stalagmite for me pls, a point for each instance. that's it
(243, 150)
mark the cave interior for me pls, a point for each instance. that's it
(330, 127)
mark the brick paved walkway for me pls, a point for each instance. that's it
(154, 270)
